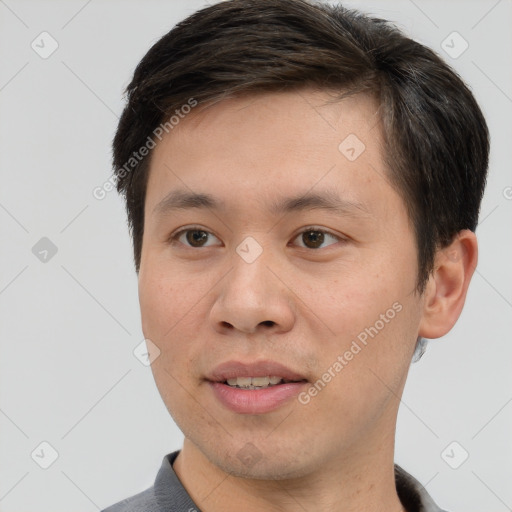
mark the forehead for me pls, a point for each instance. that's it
(325, 109)
(257, 146)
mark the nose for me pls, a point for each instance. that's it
(253, 297)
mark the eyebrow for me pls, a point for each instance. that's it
(325, 200)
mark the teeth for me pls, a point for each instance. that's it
(243, 381)
(260, 381)
(254, 382)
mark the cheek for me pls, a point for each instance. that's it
(366, 364)
(348, 299)
(368, 313)
(167, 314)
(156, 306)
(172, 304)
(165, 299)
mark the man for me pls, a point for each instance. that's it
(302, 185)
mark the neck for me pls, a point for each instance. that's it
(362, 482)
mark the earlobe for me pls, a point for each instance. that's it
(446, 289)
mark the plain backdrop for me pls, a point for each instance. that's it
(69, 314)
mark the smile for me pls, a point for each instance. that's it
(256, 382)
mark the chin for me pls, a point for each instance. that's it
(252, 462)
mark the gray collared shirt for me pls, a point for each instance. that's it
(169, 495)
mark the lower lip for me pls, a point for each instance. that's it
(255, 401)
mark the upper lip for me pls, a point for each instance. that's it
(264, 368)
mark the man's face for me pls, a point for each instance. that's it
(327, 293)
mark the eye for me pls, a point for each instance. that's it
(313, 238)
(192, 237)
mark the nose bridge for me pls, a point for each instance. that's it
(251, 296)
(250, 275)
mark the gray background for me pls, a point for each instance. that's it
(69, 325)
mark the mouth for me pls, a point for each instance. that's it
(234, 373)
(254, 388)
(258, 382)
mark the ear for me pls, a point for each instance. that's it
(446, 289)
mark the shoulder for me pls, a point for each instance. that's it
(166, 495)
(412, 494)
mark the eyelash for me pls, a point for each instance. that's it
(173, 238)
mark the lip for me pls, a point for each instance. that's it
(254, 401)
(264, 368)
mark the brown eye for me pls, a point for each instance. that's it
(194, 238)
(315, 238)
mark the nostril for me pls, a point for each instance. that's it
(268, 323)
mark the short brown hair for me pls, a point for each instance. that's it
(437, 142)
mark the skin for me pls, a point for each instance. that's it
(298, 305)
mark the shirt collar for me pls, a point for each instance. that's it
(171, 496)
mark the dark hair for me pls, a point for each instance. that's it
(436, 138)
